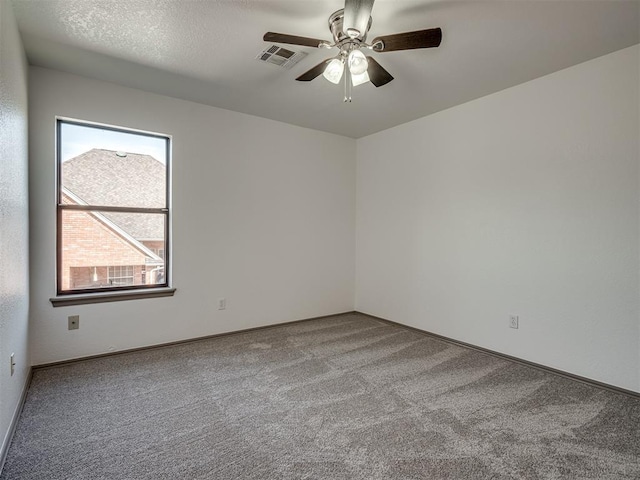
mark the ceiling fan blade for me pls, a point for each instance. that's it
(408, 41)
(377, 74)
(314, 72)
(293, 39)
(356, 17)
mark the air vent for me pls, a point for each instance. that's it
(280, 56)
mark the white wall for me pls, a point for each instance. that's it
(264, 215)
(14, 227)
(523, 202)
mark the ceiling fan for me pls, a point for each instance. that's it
(349, 28)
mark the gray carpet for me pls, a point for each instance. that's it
(345, 397)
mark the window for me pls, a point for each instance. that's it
(121, 275)
(112, 207)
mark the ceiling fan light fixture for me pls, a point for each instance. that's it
(349, 28)
(357, 62)
(334, 71)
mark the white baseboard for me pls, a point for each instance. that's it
(6, 442)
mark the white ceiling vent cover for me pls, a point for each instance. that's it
(279, 56)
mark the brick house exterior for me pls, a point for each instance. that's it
(102, 249)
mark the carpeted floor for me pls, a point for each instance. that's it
(345, 397)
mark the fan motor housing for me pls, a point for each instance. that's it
(335, 25)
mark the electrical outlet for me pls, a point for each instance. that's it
(513, 321)
(222, 303)
(13, 363)
(74, 322)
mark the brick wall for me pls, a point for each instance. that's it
(88, 243)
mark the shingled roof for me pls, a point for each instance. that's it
(110, 178)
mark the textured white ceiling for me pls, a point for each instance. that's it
(204, 50)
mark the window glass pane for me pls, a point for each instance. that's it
(107, 250)
(104, 167)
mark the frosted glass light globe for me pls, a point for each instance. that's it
(358, 62)
(359, 79)
(334, 70)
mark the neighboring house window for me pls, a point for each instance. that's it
(113, 208)
(121, 275)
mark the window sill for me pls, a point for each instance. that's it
(86, 298)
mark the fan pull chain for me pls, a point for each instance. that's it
(347, 86)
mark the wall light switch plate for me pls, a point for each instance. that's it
(74, 322)
(513, 321)
(222, 304)
(13, 363)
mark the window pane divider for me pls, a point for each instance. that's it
(105, 208)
